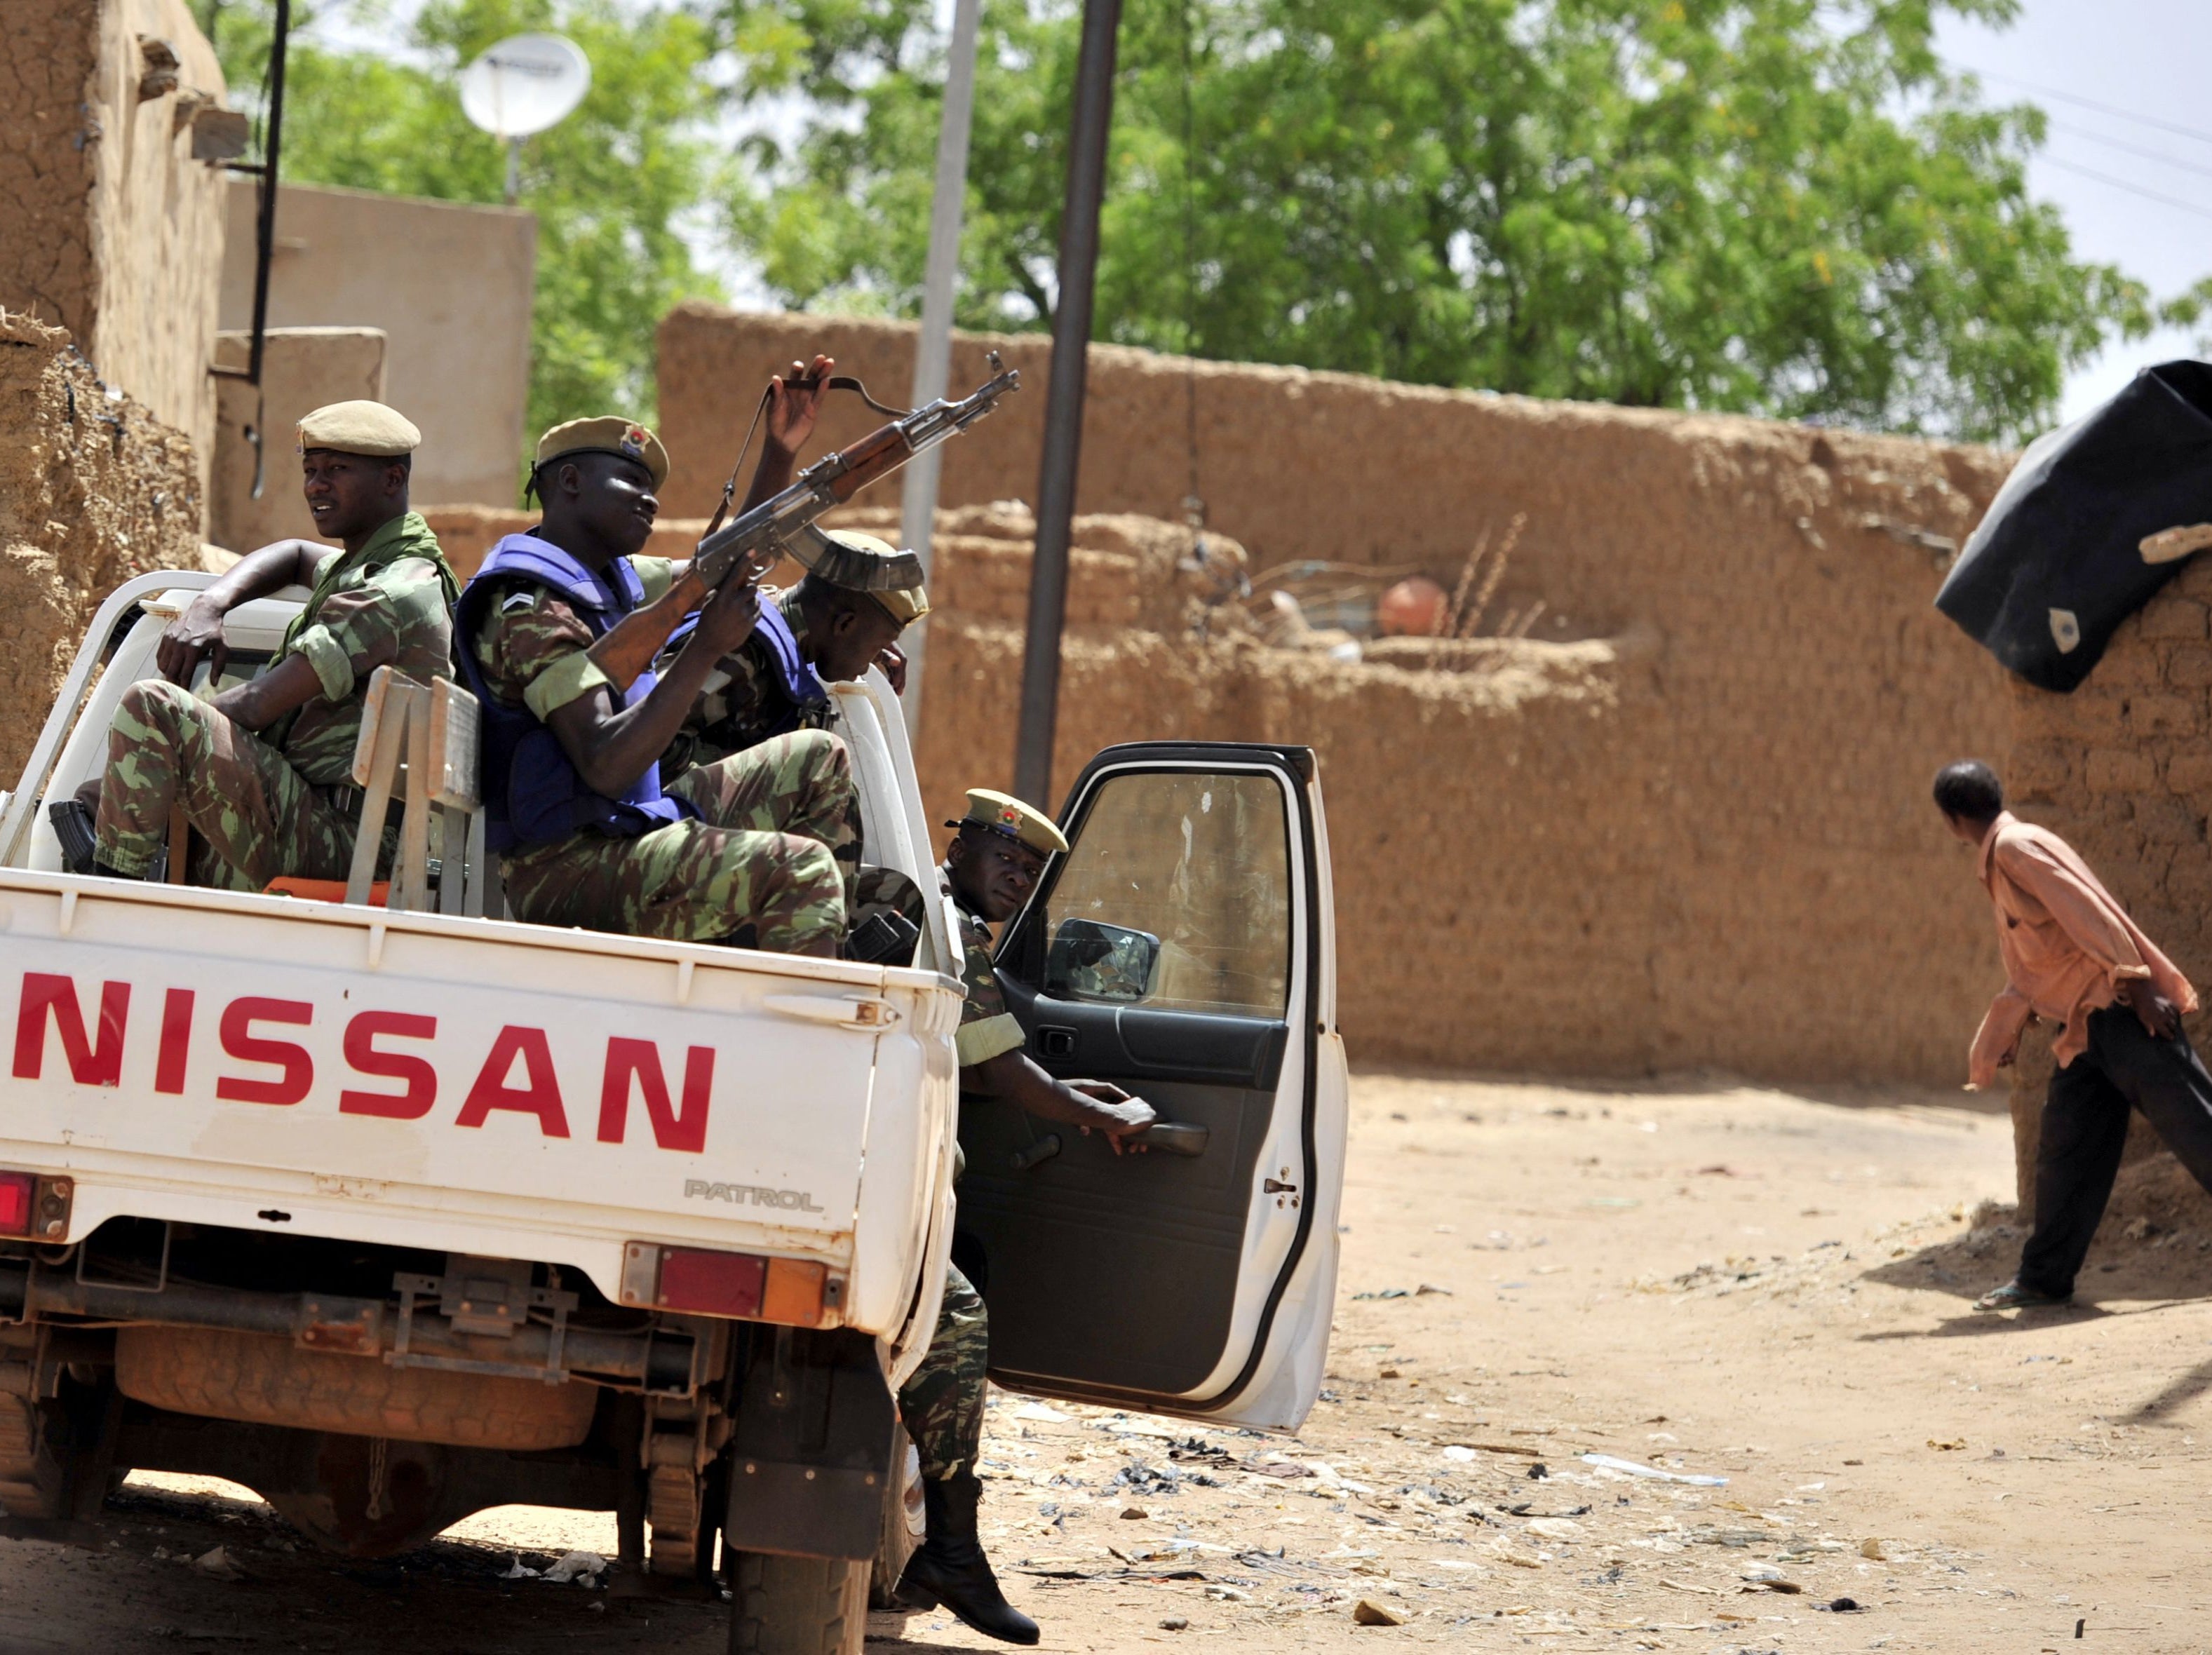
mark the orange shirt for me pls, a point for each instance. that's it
(2067, 946)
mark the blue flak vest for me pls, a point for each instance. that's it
(532, 794)
(802, 690)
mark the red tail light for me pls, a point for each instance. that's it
(702, 1282)
(34, 1208)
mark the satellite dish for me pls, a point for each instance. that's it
(524, 84)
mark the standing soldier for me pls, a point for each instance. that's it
(741, 851)
(262, 770)
(990, 869)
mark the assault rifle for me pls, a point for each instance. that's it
(748, 546)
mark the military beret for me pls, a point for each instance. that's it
(610, 434)
(855, 563)
(360, 428)
(1001, 813)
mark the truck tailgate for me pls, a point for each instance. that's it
(465, 1085)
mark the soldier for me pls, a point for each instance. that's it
(844, 616)
(262, 770)
(990, 870)
(741, 851)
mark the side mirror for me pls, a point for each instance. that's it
(1089, 960)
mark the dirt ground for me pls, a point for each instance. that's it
(1766, 1287)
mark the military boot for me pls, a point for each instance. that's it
(951, 1568)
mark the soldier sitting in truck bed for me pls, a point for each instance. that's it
(262, 770)
(744, 850)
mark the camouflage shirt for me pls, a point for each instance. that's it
(986, 1028)
(748, 707)
(532, 647)
(388, 604)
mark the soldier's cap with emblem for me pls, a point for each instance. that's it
(608, 433)
(855, 563)
(1002, 813)
(360, 428)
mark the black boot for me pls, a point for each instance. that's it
(951, 1568)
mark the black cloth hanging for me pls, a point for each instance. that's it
(2058, 561)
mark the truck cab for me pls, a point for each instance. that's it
(391, 1215)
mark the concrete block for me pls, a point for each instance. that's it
(302, 368)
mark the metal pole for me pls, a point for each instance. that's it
(1063, 408)
(932, 351)
(272, 145)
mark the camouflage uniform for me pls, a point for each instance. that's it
(943, 1404)
(739, 713)
(259, 802)
(769, 859)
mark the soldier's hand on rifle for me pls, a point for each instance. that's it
(795, 402)
(196, 632)
(728, 618)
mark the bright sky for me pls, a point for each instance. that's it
(2147, 59)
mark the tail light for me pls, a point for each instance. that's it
(703, 1281)
(34, 1209)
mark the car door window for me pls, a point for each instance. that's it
(1177, 896)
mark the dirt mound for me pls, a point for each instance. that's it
(92, 490)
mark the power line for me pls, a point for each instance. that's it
(2198, 133)
(2123, 183)
(2159, 156)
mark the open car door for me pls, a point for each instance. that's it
(1183, 948)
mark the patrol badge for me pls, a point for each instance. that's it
(1010, 817)
(632, 442)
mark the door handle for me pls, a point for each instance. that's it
(1176, 1137)
(844, 1011)
(1056, 1041)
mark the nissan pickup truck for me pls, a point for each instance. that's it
(395, 1213)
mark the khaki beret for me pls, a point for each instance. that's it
(1002, 813)
(855, 563)
(610, 434)
(360, 428)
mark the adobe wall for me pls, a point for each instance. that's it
(109, 227)
(1707, 846)
(2121, 769)
(92, 490)
(449, 285)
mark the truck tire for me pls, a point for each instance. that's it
(902, 1529)
(797, 1605)
(35, 1470)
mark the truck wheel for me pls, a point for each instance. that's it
(797, 1605)
(903, 1530)
(35, 1470)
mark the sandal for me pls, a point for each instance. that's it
(2013, 1296)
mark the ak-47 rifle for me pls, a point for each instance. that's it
(747, 547)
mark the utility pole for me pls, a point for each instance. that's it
(932, 352)
(1063, 409)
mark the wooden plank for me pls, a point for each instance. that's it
(456, 737)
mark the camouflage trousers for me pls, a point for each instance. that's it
(771, 853)
(942, 1403)
(258, 818)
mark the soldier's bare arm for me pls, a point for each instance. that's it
(611, 747)
(260, 703)
(1087, 1105)
(794, 403)
(198, 632)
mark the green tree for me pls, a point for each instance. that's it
(611, 184)
(1783, 207)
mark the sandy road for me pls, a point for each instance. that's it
(1745, 1284)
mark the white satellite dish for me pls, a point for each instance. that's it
(522, 86)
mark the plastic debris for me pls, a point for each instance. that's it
(1458, 1452)
(1634, 1468)
(1555, 1528)
(1037, 1410)
(1368, 1612)
(582, 1566)
(518, 1570)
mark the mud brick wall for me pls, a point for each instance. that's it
(109, 227)
(92, 490)
(2121, 769)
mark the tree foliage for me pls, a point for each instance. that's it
(611, 184)
(1785, 207)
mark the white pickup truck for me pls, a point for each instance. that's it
(395, 1215)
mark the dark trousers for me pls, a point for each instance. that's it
(2085, 1127)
